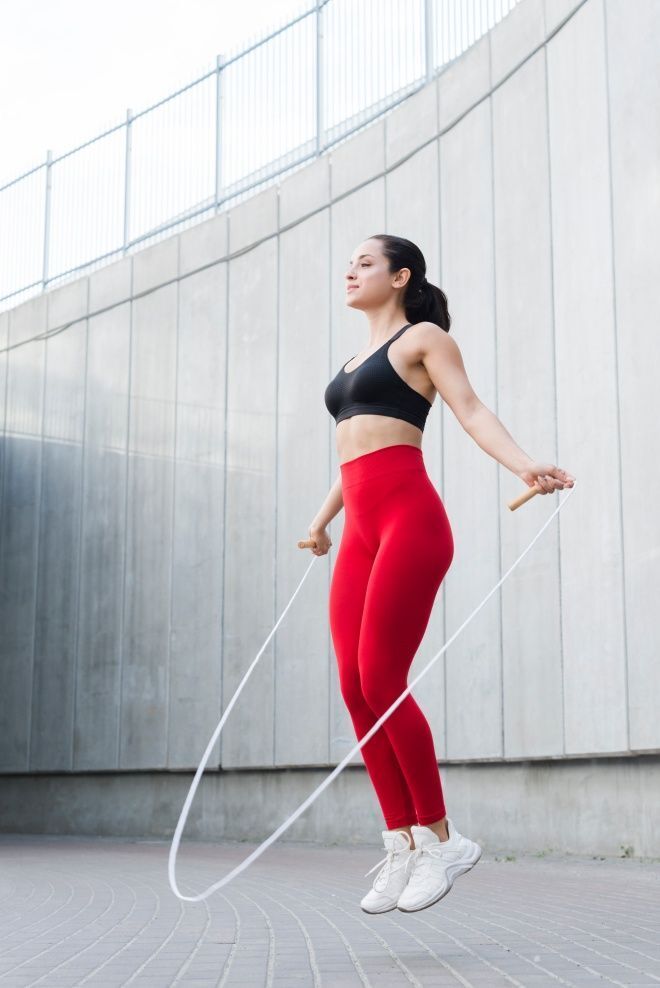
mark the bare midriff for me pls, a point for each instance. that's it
(361, 434)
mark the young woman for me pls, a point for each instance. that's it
(396, 548)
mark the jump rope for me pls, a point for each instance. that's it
(305, 544)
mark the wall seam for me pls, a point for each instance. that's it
(170, 609)
(553, 324)
(224, 495)
(122, 624)
(278, 317)
(81, 514)
(38, 549)
(329, 424)
(615, 327)
(500, 632)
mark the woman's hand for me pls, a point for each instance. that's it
(322, 539)
(546, 476)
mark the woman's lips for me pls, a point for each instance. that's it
(351, 288)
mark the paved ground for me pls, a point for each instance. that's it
(99, 912)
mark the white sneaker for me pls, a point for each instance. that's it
(437, 864)
(392, 877)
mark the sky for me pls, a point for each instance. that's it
(71, 68)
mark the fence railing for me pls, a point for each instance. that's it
(253, 117)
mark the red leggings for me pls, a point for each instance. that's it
(395, 549)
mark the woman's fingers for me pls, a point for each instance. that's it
(557, 479)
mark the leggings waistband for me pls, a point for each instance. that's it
(381, 462)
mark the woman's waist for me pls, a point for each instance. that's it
(382, 462)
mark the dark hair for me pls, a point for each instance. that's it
(422, 301)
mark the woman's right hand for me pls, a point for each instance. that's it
(322, 539)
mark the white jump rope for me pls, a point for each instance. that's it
(326, 782)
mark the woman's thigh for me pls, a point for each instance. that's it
(348, 587)
(414, 553)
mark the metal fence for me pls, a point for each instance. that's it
(253, 117)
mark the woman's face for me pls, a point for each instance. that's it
(369, 283)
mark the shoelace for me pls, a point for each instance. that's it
(432, 851)
(387, 863)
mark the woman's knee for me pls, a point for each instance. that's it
(378, 691)
(351, 689)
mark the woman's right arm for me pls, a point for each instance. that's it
(332, 505)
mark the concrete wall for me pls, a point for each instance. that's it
(164, 452)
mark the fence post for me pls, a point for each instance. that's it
(49, 179)
(127, 175)
(428, 38)
(319, 75)
(219, 62)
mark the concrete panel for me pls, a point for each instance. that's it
(68, 302)
(110, 284)
(19, 536)
(464, 83)
(531, 635)
(413, 194)
(303, 480)
(515, 36)
(203, 244)
(354, 218)
(593, 806)
(196, 640)
(59, 551)
(147, 588)
(304, 192)
(4, 359)
(251, 505)
(474, 675)
(155, 265)
(557, 12)
(634, 88)
(591, 546)
(103, 541)
(254, 219)
(357, 160)
(411, 124)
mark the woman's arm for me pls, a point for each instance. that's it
(443, 361)
(489, 433)
(332, 505)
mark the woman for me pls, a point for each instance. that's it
(395, 549)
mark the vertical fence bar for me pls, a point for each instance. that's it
(127, 176)
(49, 180)
(319, 76)
(219, 62)
(428, 38)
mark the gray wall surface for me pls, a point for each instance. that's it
(164, 452)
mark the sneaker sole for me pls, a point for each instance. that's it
(375, 912)
(453, 872)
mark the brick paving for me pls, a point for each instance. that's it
(99, 912)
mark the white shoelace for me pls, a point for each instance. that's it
(383, 876)
(432, 850)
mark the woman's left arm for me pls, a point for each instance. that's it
(444, 364)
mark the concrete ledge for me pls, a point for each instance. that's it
(599, 805)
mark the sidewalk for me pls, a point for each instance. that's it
(99, 912)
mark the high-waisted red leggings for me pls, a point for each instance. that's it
(395, 549)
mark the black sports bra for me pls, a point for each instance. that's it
(375, 388)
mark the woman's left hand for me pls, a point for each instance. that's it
(546, 476)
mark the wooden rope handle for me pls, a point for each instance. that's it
(306, 544)
(523, 498)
